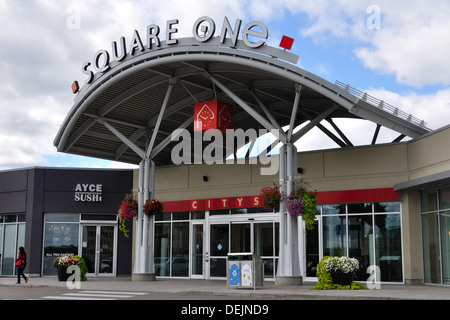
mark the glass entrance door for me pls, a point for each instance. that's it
(98, 243)
(260, 237)
(197, 251)
(312, 250)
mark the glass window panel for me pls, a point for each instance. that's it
(269, 269)
(333, 209)
(106, 249)
(219, 240)
(20, 236)
(359, 208)
(89, 247)
(165, 216)
(218, 267)
(10, 218)
(444, 199)
(445, 243)
(9, 250)
(240, 237)
(429, 201)
(388, 247)
(180, 249)
(312, 250)
(360, 243)
(219, 212)
(334, 236)
(263, 242)
(180, 215)
(22, 217)
(387, 206)
(239, 211)
(198, 215)
(62, 217)
(59, 239)
(430, 234)
(162, 249)
(1, 246)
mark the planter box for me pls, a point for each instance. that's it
(344, 279)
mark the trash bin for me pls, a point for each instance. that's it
(244, 270)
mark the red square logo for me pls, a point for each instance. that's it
(75, 87)
(286, 43)
(213, 115)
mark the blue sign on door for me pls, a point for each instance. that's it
(235, 277)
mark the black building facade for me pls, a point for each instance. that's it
(52, 212)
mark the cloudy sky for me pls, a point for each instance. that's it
(397, 51)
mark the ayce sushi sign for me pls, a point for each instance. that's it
(88, 192)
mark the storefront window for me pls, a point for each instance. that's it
(388, 247)
(180, 249)
(162, 249)
(429, 201)
(61, 236)
(362, 231)
(334, 236)
(444, 199)
(361, 243)
(445, 243)
(12, 236)
(436, 235)
(431, 249)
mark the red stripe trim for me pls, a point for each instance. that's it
(326, 197)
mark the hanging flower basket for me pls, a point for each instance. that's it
(272, 197)
(303, 203)
(127, 211)
(152, 207)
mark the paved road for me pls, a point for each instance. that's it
(49, 293)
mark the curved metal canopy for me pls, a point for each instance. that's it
(129, 112)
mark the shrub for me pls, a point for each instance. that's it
(83, 268)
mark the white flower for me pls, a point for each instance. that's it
(344, 264)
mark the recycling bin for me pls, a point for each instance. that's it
(244, 270)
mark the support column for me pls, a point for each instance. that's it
(143, 265)
(289, 270)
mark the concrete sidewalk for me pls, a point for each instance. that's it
(269, 291)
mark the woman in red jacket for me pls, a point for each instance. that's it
(21, 263)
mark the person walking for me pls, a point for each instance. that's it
(21, 263)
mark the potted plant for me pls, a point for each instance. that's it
(62, 263)
(272, 197)
(152, 207)
(342, 269)
(127, 210)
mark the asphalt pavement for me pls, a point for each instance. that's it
(212, 288)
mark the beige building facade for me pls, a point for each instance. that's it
(357, 181)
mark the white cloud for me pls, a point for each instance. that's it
(42, 52)
(433, 108)
(412, 44)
